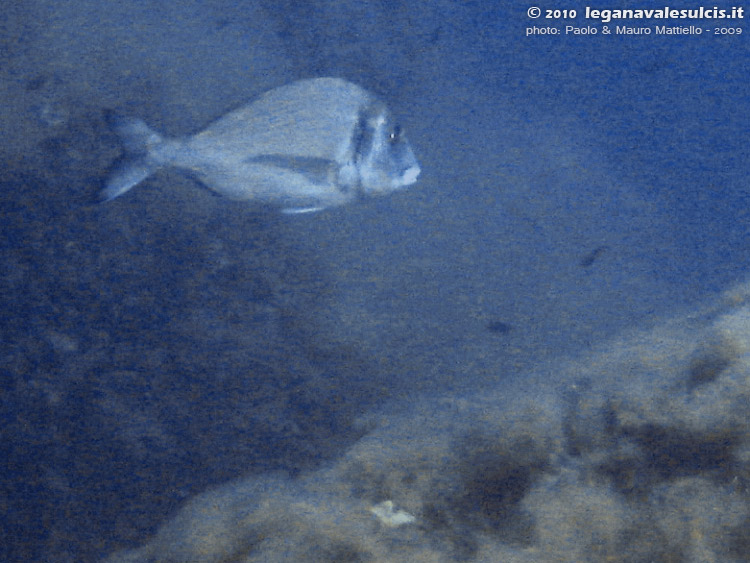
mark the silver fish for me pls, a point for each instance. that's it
(302, 147)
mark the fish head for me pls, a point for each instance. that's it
(384, 158)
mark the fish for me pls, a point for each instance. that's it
(310, 145)
(499, 327)
(592, 256)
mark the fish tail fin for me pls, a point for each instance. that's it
(138, 140)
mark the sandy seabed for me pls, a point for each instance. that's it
(643, 454)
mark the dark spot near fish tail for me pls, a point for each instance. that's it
(709, 363)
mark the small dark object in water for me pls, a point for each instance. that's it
(499, 327)
(589, 259)
(709, 365)
(36, 83)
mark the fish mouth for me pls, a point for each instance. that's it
(410, 175)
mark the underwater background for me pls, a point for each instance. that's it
(538, 352)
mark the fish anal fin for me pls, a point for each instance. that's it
(298, 210)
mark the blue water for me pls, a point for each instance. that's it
(572, 187)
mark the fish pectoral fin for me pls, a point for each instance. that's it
(317, 170)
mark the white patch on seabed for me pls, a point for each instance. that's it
(390, 517)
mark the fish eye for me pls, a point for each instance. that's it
(395, 134)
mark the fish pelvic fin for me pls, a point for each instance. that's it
(138, 140)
